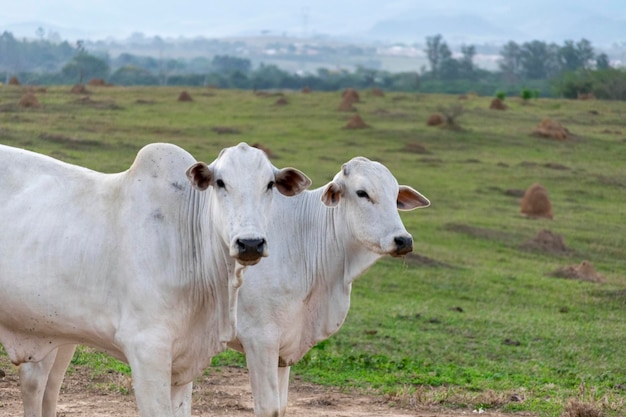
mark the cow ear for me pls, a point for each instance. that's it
(290, 181)
(332, 194)
(200, 176)
(409, 199)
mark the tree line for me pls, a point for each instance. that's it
(549, 69)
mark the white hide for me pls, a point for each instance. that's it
(141, 264)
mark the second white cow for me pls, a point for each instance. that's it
(301, 295)
(144, 264)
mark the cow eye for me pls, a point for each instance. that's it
(362, 194)
(220, 184)
(270, 185)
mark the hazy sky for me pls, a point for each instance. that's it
(119, 18)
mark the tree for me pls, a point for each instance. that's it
(169, 68)
(228, 64)
(511, 61)
(605, 84)
(609, 84)
(443, 65)
(131, 75)
(433, 52)
(270, 76)
(85, 65)
(602, 61)
(539, 60)
(149, 63)
(40, 33)
(466, 63)
(448, 66)
(573, 56)
(9, 53)
(367, 75)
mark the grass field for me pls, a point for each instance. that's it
(475, 321)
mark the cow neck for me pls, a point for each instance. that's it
(335, 260)
(206, 268)
(339, 258)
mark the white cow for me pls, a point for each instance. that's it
(144, 264)
(300, 295)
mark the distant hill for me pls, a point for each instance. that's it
(468, 28)
(462, 28)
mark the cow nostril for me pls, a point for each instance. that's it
(403, 244)
(260, 247)
(251, 246)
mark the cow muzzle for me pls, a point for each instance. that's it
(404, 245)
(250, 251)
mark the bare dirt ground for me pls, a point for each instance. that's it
(225, 392)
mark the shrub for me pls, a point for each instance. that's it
(526, 94)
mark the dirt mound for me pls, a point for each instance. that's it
(346, 105)
(281, 102)
(451, 115)
(377, 92)
(96, 82)
(356, 122)
(79, 89)
(583, 271)
(435, 119)
(265, 149)
(551, 129)
(351, 94)
(29, 100)
(546, 241)
(536, 203)
(184, 96)
(14, 81)
(497, 104)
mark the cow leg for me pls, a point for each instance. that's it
(63, 358)
(283, 388)
(181, 400)
(262, 360)
(150, 362)
(33, 378)
(40, 382)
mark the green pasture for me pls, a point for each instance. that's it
(476, 320)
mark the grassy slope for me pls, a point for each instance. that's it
(487, 325)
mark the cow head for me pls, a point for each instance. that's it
(243, 179)
(371, 197)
